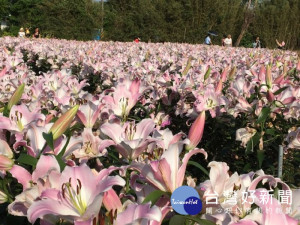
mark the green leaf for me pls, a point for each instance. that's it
(62, 152)
(199, 167)
(252, 143)
(6, 111)
(27, 159)
(177, 220)
(154, 196)
(207, 73)
(60, 161)
(188, 66)
(49, 139)
(270, 131)
(200, 221)
(260, 157)
(265, 112)
(280, 90)
(247, 167)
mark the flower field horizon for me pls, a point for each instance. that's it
(107, 132)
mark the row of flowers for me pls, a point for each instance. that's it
(100, 156)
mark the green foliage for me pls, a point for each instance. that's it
(69, 19)
(157, 20)
(61, 19)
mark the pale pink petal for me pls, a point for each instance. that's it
(86, 222)
(270, 215)
(182, 169)
(5, 123)
(172, 157)
(244, 222)
(111, 201)
(136, 212)
(164, 169)
(45, 164)
(112, 130)
(22, 175)
(49, 207)
(218, 175)
(144, 128)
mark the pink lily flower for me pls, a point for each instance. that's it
(209, 100)
(130, 139)
(19, 119)
(89, 113)
(167, 173)
(293, 139)
(164, 138)
(125, 96)
(92, 146)
(33, 184)
(44, 165)
(76, 197)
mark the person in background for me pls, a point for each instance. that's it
(223, 39)
(228, 41)
(280, 45)
(207, 40)
(21, 33)
(257, 44)
(27, 32)
(36, 33)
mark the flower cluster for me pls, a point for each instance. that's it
(88, 132)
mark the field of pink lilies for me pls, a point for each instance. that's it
(102, 133)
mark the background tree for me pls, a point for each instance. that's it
(69, 19)
(278, 19)
(4, 9)
(160, 20)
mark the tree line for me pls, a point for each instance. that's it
(160, 20)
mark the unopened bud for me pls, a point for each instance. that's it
(16, 96)
(63, 123)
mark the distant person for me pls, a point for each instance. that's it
(21, 33)
(207, 40)
(256, 43)
(228, 41)
(137, 40)
(223, 39)
(27, 32)
(36, 33)
(280, 45)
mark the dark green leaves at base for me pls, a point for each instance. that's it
(154, 196)
(181, 219)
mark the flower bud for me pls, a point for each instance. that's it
(269, 77)
(207, 73)
(16, 96)
(196, 131)
(270, 96)
(5, 150)
(3, 197)
(62, 124)
(5, 163)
